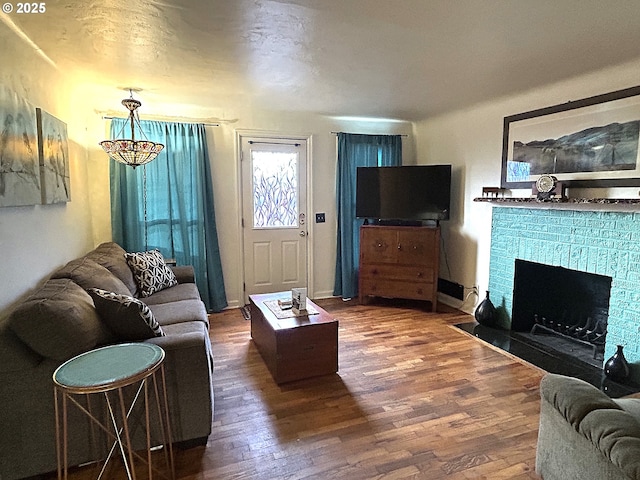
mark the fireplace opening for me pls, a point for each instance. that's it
(561, 309)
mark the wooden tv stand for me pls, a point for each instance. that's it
(399, 262)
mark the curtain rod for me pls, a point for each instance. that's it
(401, 134)
(251, 142)
(206, 124)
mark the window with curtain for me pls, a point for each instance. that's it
(179, 218)
(356, 150)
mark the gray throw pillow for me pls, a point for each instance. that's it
(111, 256)
(59, 321)
(151, 272)
(127, 317)
(89, 274)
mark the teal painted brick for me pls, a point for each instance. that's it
(626, 223)
(560, 213)
(603, 224)
(578, 257)
(584, 232)
(601, 259)
(612, 263)
(535, 227)
(635, 235)
(512, 248)
(625, 248)
(605, 243)
(577, 239)
(592, 260)
(621, 287)
(615, 234)
(554, 238)
(615, 312)
(632, 317)
(561, 254)
(583, 259)
(561, 234)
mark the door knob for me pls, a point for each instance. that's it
(303, 233)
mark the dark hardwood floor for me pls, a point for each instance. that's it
(414, 398)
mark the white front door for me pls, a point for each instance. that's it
(274, 214)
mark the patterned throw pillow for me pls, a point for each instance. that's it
(128, 318)
(150, 271)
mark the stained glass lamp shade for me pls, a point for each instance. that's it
(131, 151)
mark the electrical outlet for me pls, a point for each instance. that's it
(320, 218)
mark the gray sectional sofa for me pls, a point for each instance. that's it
(60, 320)
(585, 435)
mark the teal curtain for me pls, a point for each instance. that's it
(180, 218)
(356, 150)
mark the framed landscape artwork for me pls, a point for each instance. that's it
(584, 143)
(19, 166)
(53, 147)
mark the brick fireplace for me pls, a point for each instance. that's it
(600, 242)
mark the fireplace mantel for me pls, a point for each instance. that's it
(610, 204)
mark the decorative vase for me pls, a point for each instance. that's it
(486, 313)
(617, 367)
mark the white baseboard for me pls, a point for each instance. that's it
(321, 294)
(233, 304)
(465, 307)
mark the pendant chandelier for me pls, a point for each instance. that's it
(131, 151)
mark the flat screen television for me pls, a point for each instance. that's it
(410, 193)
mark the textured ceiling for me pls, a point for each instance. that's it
(404, 59)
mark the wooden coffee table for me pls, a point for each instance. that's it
(292, 347)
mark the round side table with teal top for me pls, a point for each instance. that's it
(108, 371)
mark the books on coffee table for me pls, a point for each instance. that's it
(285, 304)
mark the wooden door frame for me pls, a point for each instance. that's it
(240, 135)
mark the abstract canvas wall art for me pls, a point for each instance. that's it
(19, 165)
(53, 147)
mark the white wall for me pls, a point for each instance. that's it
(471, 140)
(36, 239)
